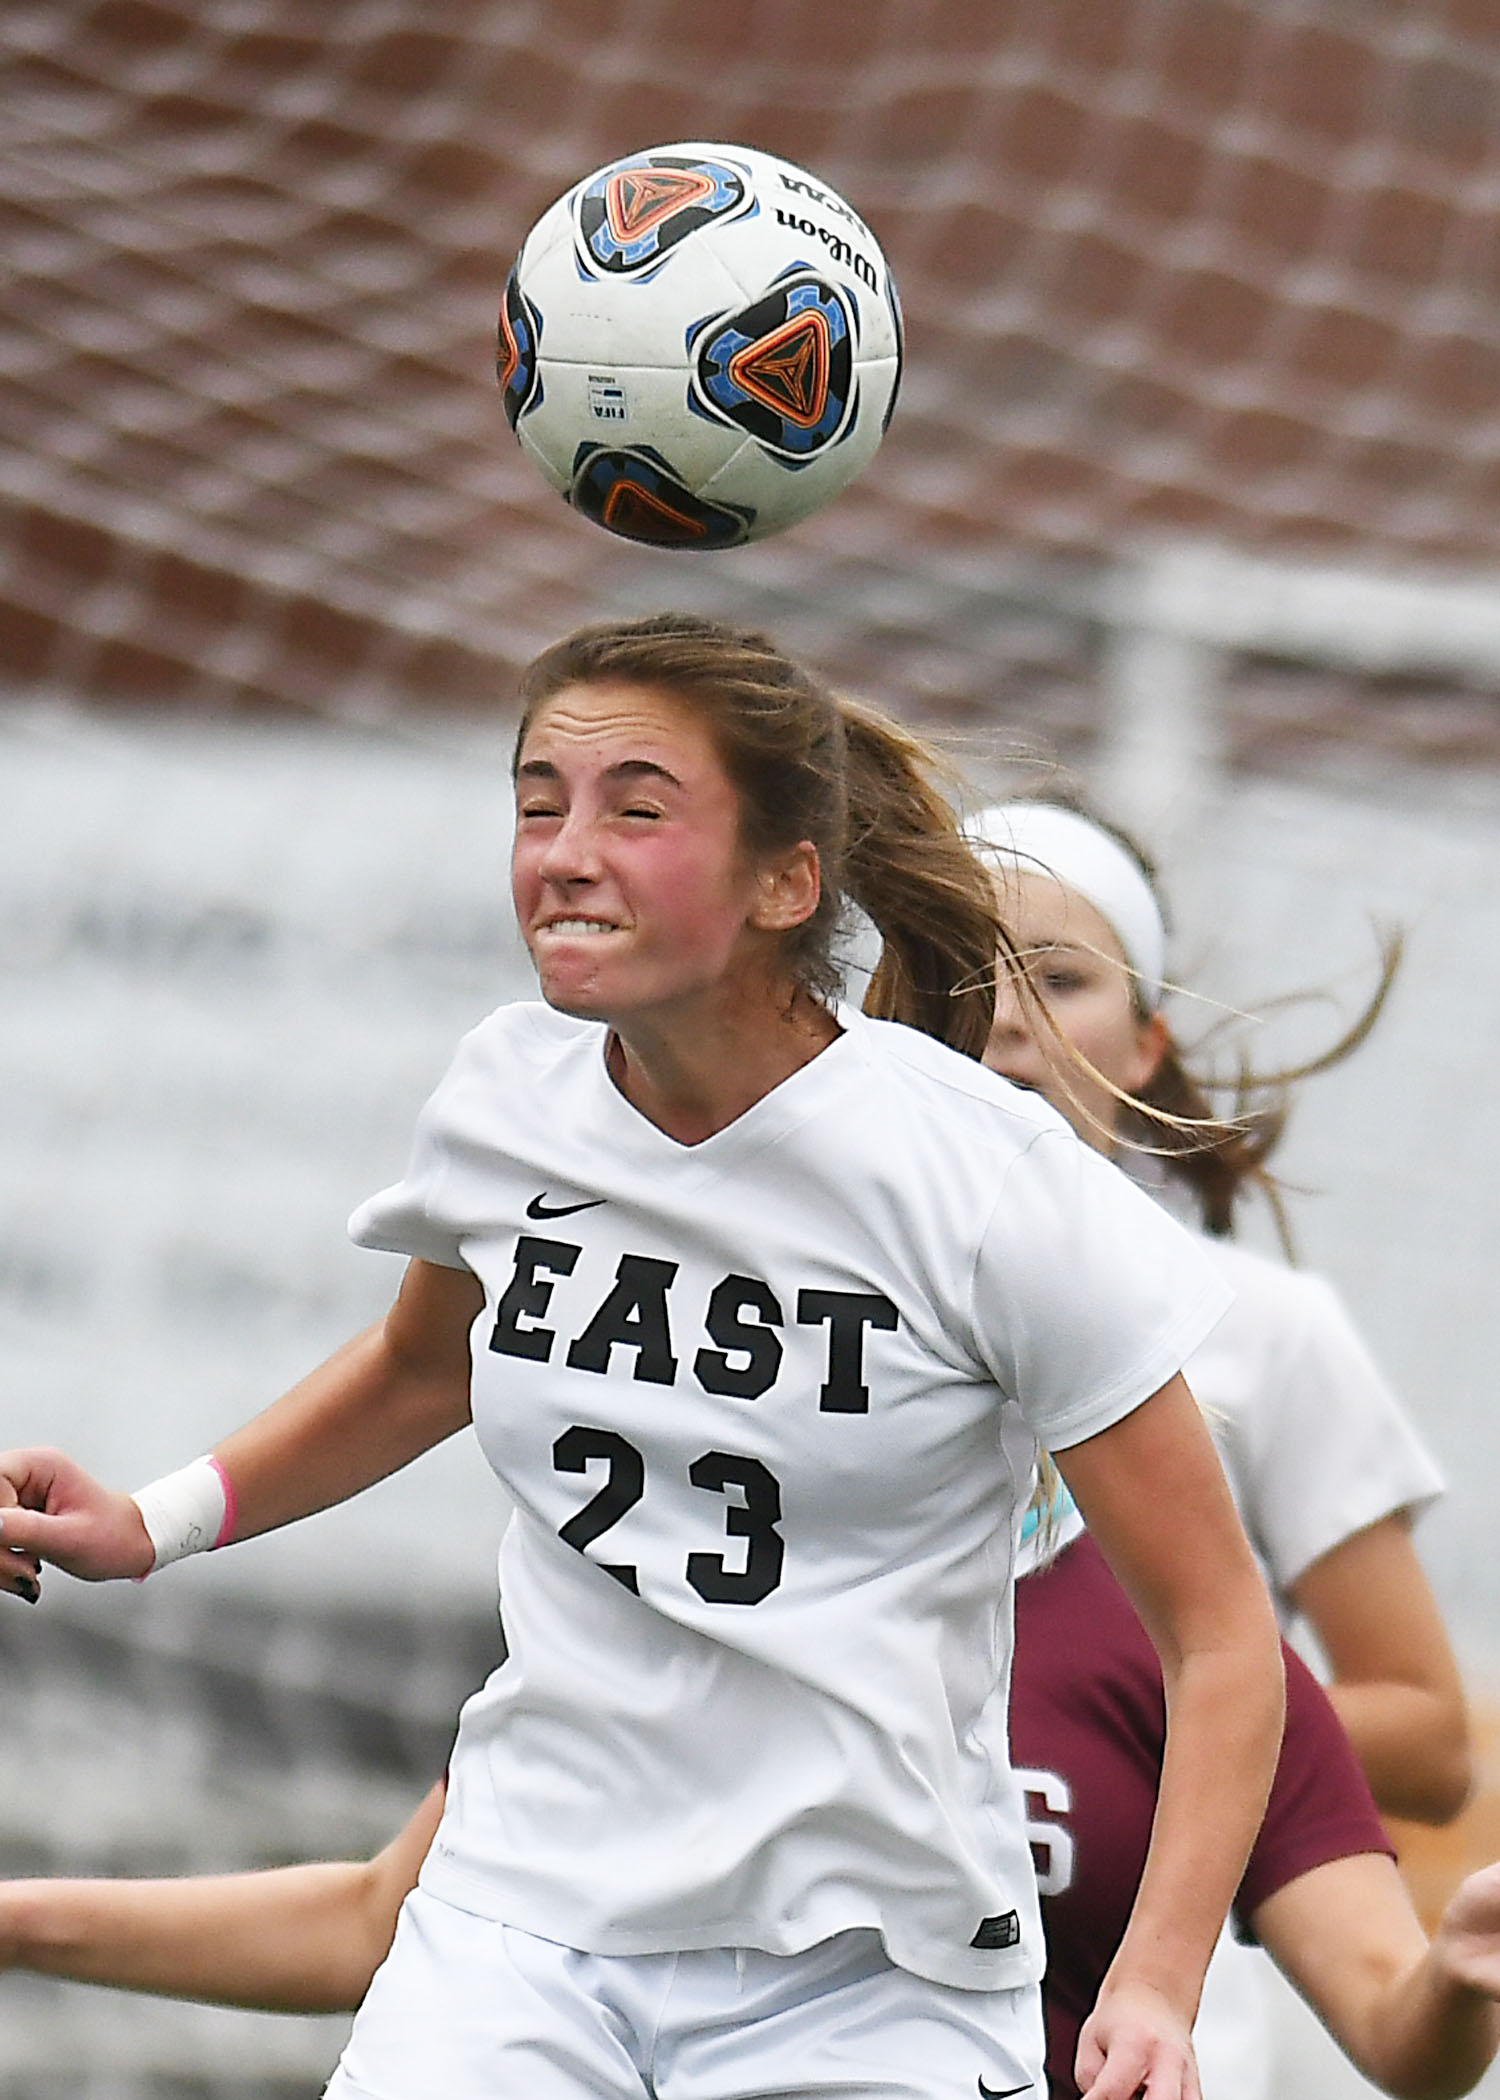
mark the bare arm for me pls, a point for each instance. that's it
(1419, 2021)
(1154, 1496)
(291, 1939)
(1396, 1685)
(379, 1402)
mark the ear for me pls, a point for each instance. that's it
(1152, 1039)
(787, 890)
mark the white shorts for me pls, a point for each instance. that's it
(466, 2009)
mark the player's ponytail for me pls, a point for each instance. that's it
(908, 866)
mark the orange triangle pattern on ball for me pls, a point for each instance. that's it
(788, 369)
(638, 200)
(638, 513)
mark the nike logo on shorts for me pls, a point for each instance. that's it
(1001, 2092)
(539, 1207)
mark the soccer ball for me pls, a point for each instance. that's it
(699, 345)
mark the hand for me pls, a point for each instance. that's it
(50, 1510)
(1136, 2042)
(1467, 1942)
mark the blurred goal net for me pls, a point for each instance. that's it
(1218, 267)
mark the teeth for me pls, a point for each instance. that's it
(580, 926)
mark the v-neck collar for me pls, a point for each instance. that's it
(630, 1135)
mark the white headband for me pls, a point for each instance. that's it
(1059, 842)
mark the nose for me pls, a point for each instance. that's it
(571, 853)
(1011, 1020)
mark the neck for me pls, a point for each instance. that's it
(693, 1082)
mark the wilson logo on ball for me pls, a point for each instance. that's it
(783, 369)
(519, 338)
(635, 495)
(632, 215)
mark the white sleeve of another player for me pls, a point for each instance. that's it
(1326, 1447)
(1087, 1296)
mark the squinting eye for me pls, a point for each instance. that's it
(652, 814)
(1062, 981)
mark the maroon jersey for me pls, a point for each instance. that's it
(1088, 1726)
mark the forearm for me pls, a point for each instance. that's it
(1413, 1743)
(1395, 1684)
(360, 1416)
(379, 1402)
(390, 1394)
(292, 1939)
(1418, 2021)
(1429, 2037)
(1194, 1582)
(1224, 1717)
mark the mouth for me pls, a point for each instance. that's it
(579, 928)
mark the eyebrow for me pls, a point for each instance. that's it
(627, 769)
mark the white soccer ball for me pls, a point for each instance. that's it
(699, 345)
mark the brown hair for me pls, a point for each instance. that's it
(809, 765)
(1218, 1155)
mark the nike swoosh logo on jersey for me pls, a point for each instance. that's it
(1001, 2092)
(539, 1207)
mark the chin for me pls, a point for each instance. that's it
(568, 991)
(581, 1003)
(1027, 1086)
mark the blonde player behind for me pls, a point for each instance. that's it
(1328, 1472)
(760, 1308)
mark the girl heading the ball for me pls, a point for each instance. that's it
(760, 1308)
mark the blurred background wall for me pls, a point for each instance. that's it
(1192, 488)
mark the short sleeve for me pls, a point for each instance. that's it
(1088, 1297)
(409, 1218)
(1320, 1808)
(1330, 1449)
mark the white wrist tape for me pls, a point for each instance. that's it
(187, 1512)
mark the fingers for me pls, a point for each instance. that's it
(1116, 2071)
(25, 1532)
(1170, 2080)
(1125, 2068)
(59, 1515)
(20, 1568)
(1117, 2083)
(1111, 2065)
(27, 1477)
(1163, 2081)
(22, 1582)
(20, 1574)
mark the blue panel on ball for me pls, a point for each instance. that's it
(520, 334)
(782, 369)
(634, 494)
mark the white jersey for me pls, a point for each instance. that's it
(1315, 1443)
(767, 1409)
